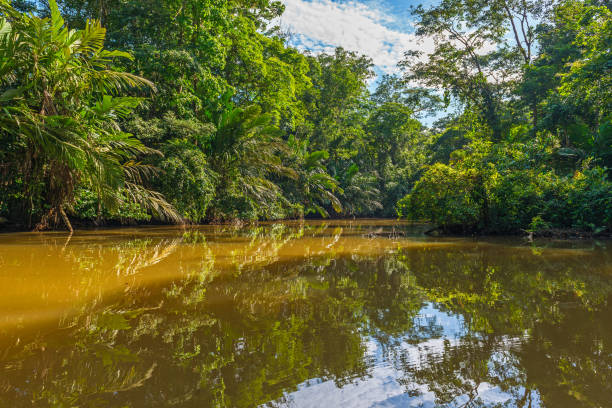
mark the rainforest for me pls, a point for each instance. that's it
(305, 203)
(116, 112)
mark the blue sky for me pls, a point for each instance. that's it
(380, 29)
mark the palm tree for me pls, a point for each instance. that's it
(317, 189)
(359, 192)
(59, 120)
(245, 152)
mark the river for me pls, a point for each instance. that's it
(361, 313)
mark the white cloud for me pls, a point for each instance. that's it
(322, 25)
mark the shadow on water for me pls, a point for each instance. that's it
(302, 314)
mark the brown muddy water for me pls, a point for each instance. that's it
(315, 314)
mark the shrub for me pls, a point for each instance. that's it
(506, 190)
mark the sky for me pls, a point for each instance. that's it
(381, 29)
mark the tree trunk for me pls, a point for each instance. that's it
(535, 117)
(491, 115)
(99, 211)
(65, 218)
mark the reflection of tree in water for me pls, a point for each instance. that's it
(457, 372)
(253, 333)
(425, 327)
(517, 309)
(572, 359)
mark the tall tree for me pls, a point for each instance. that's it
(59, 120)
(472, 59)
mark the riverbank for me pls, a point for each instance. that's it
(421, 228)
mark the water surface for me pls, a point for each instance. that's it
(317, 314)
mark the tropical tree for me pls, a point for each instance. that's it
(472, 59)
(581, 110)
(245, 151)
(315, 189)
(359, 193)
(60, 119)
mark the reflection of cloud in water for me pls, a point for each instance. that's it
(451, 326)
(382, 389)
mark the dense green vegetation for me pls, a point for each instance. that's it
(532, 146)
(200, 111)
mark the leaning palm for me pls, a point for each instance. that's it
(58, 120)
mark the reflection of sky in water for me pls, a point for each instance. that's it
(432, 328)
(451, 326)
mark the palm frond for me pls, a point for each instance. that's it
(153, 201)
